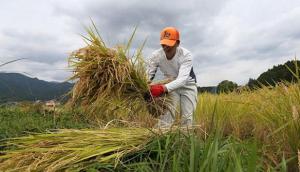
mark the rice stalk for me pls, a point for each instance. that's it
(70, 149)
(11, 61)
(271, 116)
(104, 75)
(299, 159)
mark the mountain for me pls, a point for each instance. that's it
(18, 87)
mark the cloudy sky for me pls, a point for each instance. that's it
(233, 39)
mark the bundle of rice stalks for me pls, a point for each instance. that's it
(109, 79)
(69, 150)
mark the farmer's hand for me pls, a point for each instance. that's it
(158, 90)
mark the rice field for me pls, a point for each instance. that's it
(246, 131)
(108, 125)
(270, 116)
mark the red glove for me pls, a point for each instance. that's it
(157, 90)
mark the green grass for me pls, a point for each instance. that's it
(15, 122)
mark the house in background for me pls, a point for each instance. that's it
(51, 105)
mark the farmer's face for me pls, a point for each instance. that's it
(170, 51)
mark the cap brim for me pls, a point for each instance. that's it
(167, 42)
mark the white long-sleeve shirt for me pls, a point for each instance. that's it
(179, 67)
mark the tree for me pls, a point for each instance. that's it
(279, 73)
(252, 83)
(226, 86)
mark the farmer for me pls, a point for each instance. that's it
(175, 62)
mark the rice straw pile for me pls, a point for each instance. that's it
(70, 150)
(110, 81)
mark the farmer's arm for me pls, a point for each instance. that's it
(183, 75)
(152, 65)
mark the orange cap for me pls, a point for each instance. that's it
(169, 36)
